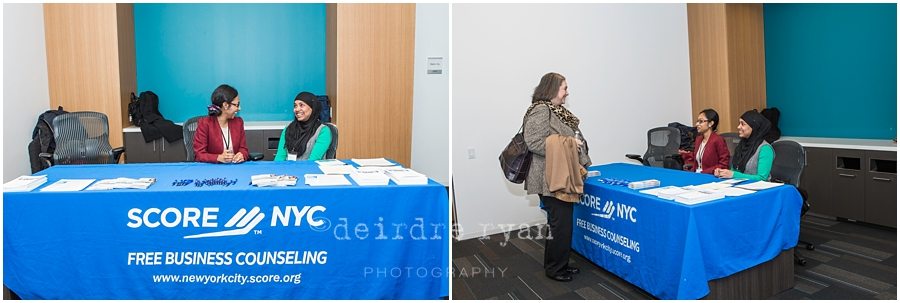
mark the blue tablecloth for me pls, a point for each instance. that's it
(672, 250)
(340, 242)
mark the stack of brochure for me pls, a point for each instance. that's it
(669, 193)
(407, 177)
(330, 162)
(273, 180)
(373, 162)
(325, 180)
(377, 169)
(68, 185)
(337, 169)
(695, 197)
(24, 183)
(369, 178)
(122, 183)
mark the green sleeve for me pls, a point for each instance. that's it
(281, 154)
(763, 168)
(321, 145)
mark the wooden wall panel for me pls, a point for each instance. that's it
(127, 60)
(83, 59)
(746, 58)
(727, 60)
(372, 87)
(707, 39)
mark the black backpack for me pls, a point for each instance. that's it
(134, 111)
(42, 140)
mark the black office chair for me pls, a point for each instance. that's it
(332, 149)
(731, 140)
(662, 149)
(188, 130)
(790, 159)
(82, 138)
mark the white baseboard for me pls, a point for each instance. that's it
(493, 229)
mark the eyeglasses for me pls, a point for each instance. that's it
(701, 121)
(238, 105)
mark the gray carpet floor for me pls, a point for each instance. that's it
(850, 261)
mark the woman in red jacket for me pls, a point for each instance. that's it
(710, 151)
(220, 137)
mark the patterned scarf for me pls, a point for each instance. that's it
(561, 112)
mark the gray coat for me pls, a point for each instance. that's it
(540, 124)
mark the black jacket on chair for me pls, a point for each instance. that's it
(155, 126)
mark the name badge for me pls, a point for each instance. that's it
(292, 157)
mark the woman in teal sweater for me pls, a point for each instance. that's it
(753, 156)
(306, 138)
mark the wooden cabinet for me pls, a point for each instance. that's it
(852, 184)
(881, 188)
(139, 151)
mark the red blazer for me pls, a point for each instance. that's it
(208, 141)
(715, 156)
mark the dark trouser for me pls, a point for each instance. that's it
(557, 248)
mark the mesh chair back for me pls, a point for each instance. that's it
(82, 138)
(731, 140)
(662, 147)
(187, 131)
(790, 159)
(332, 149)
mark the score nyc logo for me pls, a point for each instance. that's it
(241, 223)
(609, 208)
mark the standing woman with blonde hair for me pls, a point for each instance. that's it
(546, 117)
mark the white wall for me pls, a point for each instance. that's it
(431, 101)
(26, 93)
(627, 67)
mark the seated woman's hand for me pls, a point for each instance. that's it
(238, 158)
(226, 157)
(724, 173)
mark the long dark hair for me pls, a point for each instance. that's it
(548, 88)
(712, 116)
(299, 132)
(223, 93)
(747, 147)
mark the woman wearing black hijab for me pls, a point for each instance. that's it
(306, 138)
(753, 156)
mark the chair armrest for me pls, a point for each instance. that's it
(256, 156)
(47, 158)
(634, 157)
(117, 153)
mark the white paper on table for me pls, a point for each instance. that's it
(670, 193)
(696, 197)
(733, 181)
(378, 169)
(337, 169)
(655, 191)
(24, 183)
(325, 180)
(709, 186)
(373, 162)
(373, 178)
(734, 191)
(760, 185)
(68, 185)
(330, 162)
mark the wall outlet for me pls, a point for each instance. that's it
(471, 152)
